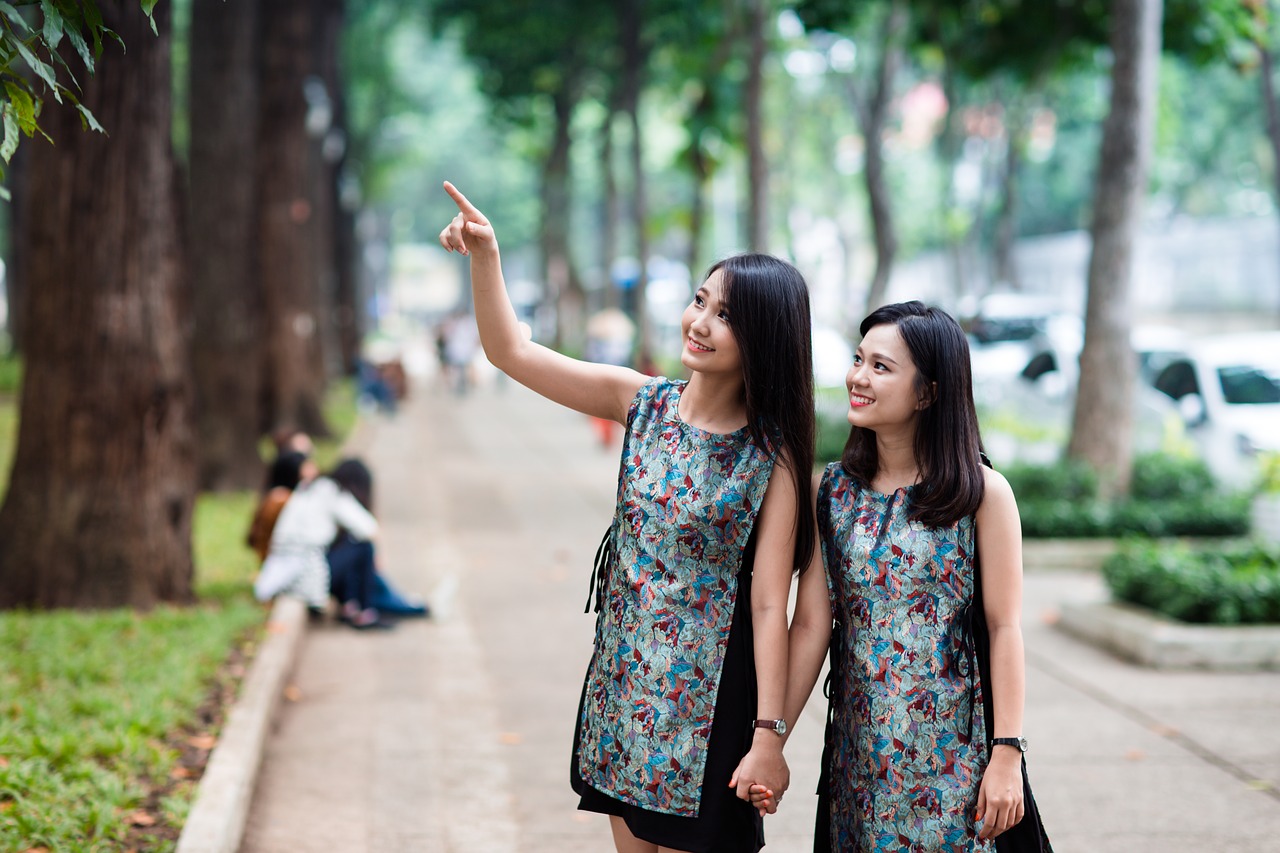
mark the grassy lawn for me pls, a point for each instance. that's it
(107, 718)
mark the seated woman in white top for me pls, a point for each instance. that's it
(309, 521)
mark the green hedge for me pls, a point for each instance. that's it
(1237, 586)
(1170, 496)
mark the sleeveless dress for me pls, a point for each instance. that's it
(669, 694)
(906, 744)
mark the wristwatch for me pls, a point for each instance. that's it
(1019, 742)
(779, 727)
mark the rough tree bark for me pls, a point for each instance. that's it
(227, 351)
(287, 219)
(1102, 425)
(609, 207)
(98, 512)
(1273, 113)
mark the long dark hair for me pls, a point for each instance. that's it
(285, 471)
(354, 476)
(768, 304)
(948, 445)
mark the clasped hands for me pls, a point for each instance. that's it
(762, 775)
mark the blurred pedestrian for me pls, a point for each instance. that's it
(902, 521)
(682, 703)
(348, 554)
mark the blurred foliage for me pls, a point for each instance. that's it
(33, 67)
(1171, 496)
(1232, 586)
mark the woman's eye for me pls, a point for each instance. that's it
(697, 300)
(723, 316)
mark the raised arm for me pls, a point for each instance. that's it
(1000, 551)
(602, 390)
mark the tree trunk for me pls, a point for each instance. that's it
(98, 512)
(872, 116)
(287, 219)
(15, 272)
(559, 271)
(1273, 114)
(635, 53)
(1102, 426)
(226, 292)
(757, 167)
(700, 169)
(1004, 268)
(609, 212)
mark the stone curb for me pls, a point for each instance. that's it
(1156, 641)
(217, 818)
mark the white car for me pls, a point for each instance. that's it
(1227, 389)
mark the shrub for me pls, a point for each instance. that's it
(1172, 496)
(1238, 586)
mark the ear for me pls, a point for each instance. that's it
(926, 399)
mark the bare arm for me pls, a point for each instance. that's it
(770, 589)
(602, 390)
(1000, 551)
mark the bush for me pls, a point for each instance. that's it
(1239, 586)
(1171, 496)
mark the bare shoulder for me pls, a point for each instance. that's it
(997, 496)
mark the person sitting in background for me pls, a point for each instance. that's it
(296, 564)
(348, 551)
(282, 479)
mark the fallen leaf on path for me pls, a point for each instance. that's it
(202, 741)
(293, 693)
(1260, 784)
(1165, 730)
(511, 738)
(141, 818)
(1050, 616)
(180, 772)
(276, 627)
(1135, 755)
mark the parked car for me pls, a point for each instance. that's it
(1227, 389)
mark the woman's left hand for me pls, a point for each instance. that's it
(1000, 803)
(763, 766)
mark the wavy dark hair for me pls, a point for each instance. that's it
(768, 305)
(948, 445)
(354, 476)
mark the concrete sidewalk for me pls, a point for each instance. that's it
(454, 734)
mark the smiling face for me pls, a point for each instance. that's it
(883, 393)
(709, 344)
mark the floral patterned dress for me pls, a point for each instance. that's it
(687, 504)
(906, 740)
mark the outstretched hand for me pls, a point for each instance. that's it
(469, 230)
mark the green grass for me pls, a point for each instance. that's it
(98, 709)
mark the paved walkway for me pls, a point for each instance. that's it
(453, 734)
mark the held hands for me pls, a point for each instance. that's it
(762, 775)
(469, 230)
(1000, 803)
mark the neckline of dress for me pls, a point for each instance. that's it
(674, 415)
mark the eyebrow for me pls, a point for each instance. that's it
(877, 356)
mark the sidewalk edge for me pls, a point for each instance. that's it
(217, 818)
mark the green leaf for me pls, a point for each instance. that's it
(21, 104)
(43, 71)
(53, 25)
(82, 48)
(14, 15)
(11, 134)
(87, 121)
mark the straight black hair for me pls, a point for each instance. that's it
(768, 306)
(948, 445)
(354, 476)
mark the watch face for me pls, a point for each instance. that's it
(781, 727)
(1022, 744)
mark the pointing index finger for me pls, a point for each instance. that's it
(468, 209)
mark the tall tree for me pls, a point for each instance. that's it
(288, 228)
(228, 353)
(757, 23)
(1101, 431)
(870, 96)
(98, 512)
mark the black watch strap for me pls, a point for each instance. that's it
(1020, 743)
